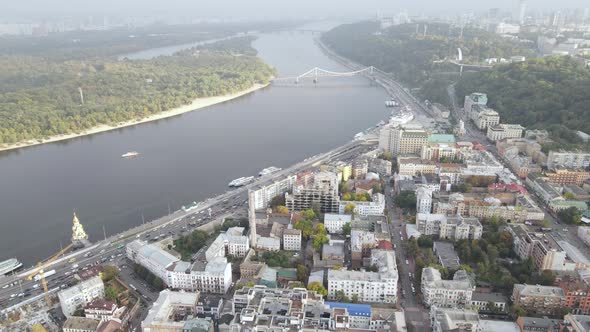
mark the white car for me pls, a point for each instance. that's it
(12, 295)
(35, 285)
(5, 286)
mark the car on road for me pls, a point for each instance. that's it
(407, 262)
(5, 286)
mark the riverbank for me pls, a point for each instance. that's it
(197, 104)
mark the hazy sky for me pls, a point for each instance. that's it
(263, 8)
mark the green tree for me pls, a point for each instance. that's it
(425, 241)
(349, 208)
(406, 200)
(354, 298)
(296, 284)
(281, 209)
(346, 228)
(301, 273)
(278, 200)
(110, 293)
(306, 227)
(570, 216)
(341, 297)
(109, 273)
(318, 288)
(569, 195)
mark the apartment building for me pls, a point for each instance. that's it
(360, 167)
(378, 286)
(380, 166)
(212, 276)
(475, 98)
(546, 253)
(543, 300)
(568, 159)
(264, 194)
(372, 208)
(323, 191)
(423, 200)
(451, 319)
(411, 165)
(403, 139)
(291, 239)
(449, 227)
(170, 312)
(455, 293)
(484, 117)
(503, 130)
(76, 297)
(231, 242)
(563, 176)
(335, 222)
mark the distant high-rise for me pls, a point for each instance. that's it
(522, 11)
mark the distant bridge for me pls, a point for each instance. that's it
(314, 32)
(316, 73)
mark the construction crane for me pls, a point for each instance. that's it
(39, 271)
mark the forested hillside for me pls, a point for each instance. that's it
(40, 98)
(415, 58)
(548, 93)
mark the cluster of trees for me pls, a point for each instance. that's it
(410, 55)
(276, 258)
(360, 197)
(149, 277)
(570, 216)
(305, 225)
(234, 46)
(546, 93)
(340, 296)
(320, 237)
(318, 287)
(40, 98)
(406, 200)
(190, 244)
(230, 222)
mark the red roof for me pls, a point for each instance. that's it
(513, 187)
(385, 245)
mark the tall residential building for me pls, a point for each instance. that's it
(76, 297)
(454, 293)
(521, 11)
(568, 176)
(545, 252)
(423, 200)
(231, 242)
(323, 191)
(372, 208)
(403, 139)
(378, 286)
(264, 194)
(546, 300)
(291, 239)
(475, 98)
(484, 117)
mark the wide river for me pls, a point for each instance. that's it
(186, 158)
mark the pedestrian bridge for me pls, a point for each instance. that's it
(316, 73)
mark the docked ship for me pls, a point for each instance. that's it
(269, 170)
(241, 181)
(391, 103)
(130, 154)
(9, 265)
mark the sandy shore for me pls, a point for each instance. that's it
(195, 105)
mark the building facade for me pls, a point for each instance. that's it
(454, 293)
(74, 298)
(502, 131)
(264, 194)
(538, 299)
(449, 227)
(292, 239)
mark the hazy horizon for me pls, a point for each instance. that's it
(264, 9)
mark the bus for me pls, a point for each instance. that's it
(133, 287)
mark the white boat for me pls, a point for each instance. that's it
(269, 170)
(9, 265)
(241, 181)
(130, 154)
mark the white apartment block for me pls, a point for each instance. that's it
(368, 286)
(292, 239)
(268, 243)
(454, 293)
(484, 117)
(335, 222)
(502, 131)
(449, 319)
(264, 194)
(74, 298)
(169, 304)
(232, 243)
(449, 227)
(373, 208)
(413, 166)
(423, 200)
(212, 276)
(568, 159)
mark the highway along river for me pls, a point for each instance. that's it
(186, 158)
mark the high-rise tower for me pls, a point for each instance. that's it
(521, 11)
(252, 218)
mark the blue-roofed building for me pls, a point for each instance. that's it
(359, 315)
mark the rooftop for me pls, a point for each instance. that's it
(538, 290)
(81, 323)
(354, 309)
(441, 138)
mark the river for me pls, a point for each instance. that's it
(183, 159)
